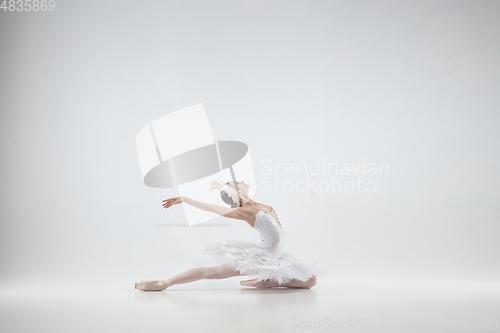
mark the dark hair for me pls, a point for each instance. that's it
(228, 199)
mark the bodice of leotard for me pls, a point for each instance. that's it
(272, 234)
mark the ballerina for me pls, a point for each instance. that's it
(273, 267)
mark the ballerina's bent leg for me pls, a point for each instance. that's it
(272, 284)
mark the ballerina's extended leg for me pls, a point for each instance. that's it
(191, 275)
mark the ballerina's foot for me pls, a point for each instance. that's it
(248, 283)
(266, 284)
(259, 283)
(155, 285)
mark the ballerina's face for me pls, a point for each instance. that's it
(241, 185)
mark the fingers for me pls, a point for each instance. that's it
(169, 202)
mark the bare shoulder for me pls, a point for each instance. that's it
(240, 213)
(250, 214)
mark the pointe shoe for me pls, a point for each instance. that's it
(248, 283)
(155, 285)
(259, 283)
(266, 284)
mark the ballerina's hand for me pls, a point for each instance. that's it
(214, 185)
(171, 202)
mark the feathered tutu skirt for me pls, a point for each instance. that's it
(250, 259)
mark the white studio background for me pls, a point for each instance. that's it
(412, 84)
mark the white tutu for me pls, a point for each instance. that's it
(266, 259)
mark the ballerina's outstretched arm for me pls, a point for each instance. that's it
(232, 213)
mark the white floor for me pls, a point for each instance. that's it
(224, 306)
